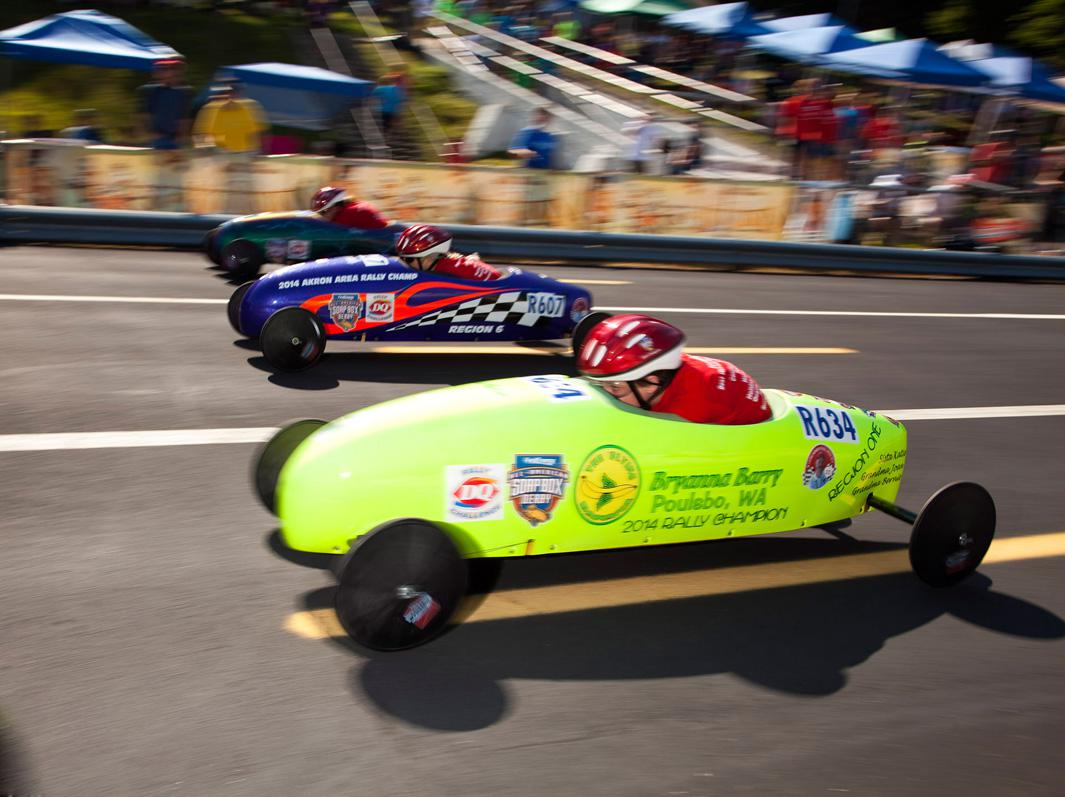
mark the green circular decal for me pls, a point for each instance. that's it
(608, 483)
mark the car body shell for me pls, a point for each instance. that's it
(374, 297)
(296, 236)
(550, 464)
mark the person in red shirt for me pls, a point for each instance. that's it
(336, 205)
(815, 121)
(428, 248)
(640, 361)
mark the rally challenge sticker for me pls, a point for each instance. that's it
(345, 309)
(820, 467)
(421, 610)
(537, 482)
(474, 492)
(380, 308)
(608, 483)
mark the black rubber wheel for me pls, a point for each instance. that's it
(580, 332)
(242, 259)
(209, 247)
(233, 308)
(952, 533)
(292, 339)
(399, 585)
(267, 465)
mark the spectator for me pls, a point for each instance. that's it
(848, 119)
(815, 123)
(566, 27)
(787, 114)
(165, 115)
(693, 148)
(644, 133)
(390, 99)
(534, 144)
(882, 135)
(231, 122)
(84, 127)
(992, 161)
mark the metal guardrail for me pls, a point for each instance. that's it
(23, 224)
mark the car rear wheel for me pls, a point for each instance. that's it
(242, 259)
(273, 456)
(292, 339)
(233, 308)
(584, 326)
(399, 585)
(952, 533)
(209, 247)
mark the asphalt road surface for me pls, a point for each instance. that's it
(153, 640)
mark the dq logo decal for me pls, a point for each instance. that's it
(345, 310)
(380, 308)
(299, 250)
(536, 485)
(608, 483)
(820, 467)
(276, 250)
(474, 492)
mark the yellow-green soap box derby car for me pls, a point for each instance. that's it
(408, 489)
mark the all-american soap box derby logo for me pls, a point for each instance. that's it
(345, 309)
(537, 482)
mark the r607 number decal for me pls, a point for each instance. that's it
(826, 423)
(549, 305)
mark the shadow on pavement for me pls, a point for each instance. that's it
(14, 767)
(798, 640)
(417, 369)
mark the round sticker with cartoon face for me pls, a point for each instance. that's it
(820, 467)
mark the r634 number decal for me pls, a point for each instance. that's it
(549, 305)
(826, 423)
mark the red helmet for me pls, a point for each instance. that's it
(422, 240)
(630, 346)
(324, 198)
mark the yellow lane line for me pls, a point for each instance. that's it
(416, 349)
(597, 282)
(510, 604)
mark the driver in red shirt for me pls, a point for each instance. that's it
(639, 361)
(428, 248)
(336, 205)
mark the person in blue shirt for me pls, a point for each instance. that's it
(390, 97)
(534, 144)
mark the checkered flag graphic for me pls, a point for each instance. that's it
(501, 308)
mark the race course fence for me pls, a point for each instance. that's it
(23, 224)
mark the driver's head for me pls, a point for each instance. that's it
(327, 201)
(633, 356)
(421, 245)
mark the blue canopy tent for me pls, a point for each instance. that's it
(807, 45)
(304, 97)
(910, 61)
(1020, 75)
(803, 22)
(725, 21)
(84, 37)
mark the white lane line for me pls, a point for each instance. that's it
(44, 297)
(953, 413)
(730, 311)
(63, 441)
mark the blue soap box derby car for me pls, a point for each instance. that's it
(295, 309)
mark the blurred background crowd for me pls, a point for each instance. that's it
(946, 160)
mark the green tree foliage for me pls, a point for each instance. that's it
(1040, 30)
